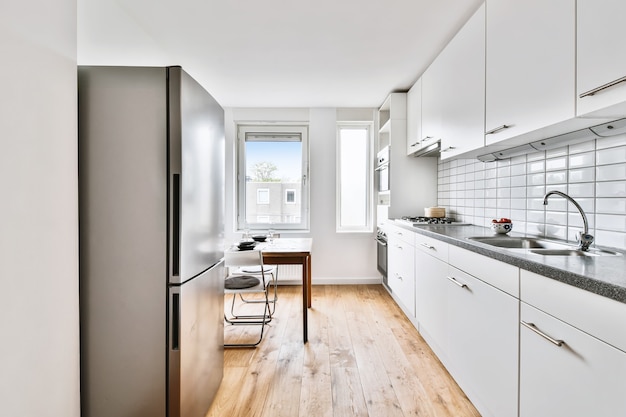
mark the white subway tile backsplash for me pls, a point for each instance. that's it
(582, 147)
(557, 218)
(519, 169)
(611, 222)
(611, 189)
(611, 172)
(556, 164)
(536, 166)
(583, 189)
(593, 173)
(611, 205)
(586, 159)
(556, 152)
(536, 191)
(557, 177)
(536, 179)
(536, 156)
(611, 156)
(582, 175)
(518, 181)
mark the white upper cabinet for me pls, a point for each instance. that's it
(433, 82)
(601, 62)
(530, 65)
(414, 117)
(463, 92)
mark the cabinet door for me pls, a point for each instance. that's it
(414, 117)
(430, 300)
(483, 343)
(582, 377)
(530, 66)
(601, 57)
(433, 83)
(463, 112)
(401, 273)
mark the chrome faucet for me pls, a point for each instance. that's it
(583, 238)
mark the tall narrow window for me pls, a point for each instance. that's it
(354, 178)
(272, 177)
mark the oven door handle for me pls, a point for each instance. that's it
(381, 167)
(381, 242)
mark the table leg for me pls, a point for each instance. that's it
(306, 279)
(308, 272)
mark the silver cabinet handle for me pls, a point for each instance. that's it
(497, 129)
(416, 143)
(602, 87)
(426, 138)
(449, 148)
(531, 326)
(460, 284)
(426, 245)
(399, 247)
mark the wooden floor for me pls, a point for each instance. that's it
(364, 358)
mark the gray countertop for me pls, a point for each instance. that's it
(603, 275)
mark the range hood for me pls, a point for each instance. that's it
(604, 130)
(434, 149)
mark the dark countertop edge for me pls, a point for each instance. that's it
(603, 288)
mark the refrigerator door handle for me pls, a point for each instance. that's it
(175, 322)
(175, 228)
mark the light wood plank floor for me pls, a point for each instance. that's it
(364, 358)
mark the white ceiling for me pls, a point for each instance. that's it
(276, 53)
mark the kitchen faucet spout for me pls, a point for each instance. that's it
(584, 238)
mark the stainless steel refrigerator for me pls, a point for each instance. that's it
(151, 210)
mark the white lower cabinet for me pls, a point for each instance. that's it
(471, 326)
(430, 299)
(401, 271)
(566, 372)
(483, 343)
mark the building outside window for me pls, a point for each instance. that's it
(272, 177)
(290, 196)
(354, 178)
(263, 196)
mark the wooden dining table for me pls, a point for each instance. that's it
(293, 251)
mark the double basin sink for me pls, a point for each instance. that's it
(539, 246)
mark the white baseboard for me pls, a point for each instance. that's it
(334, 281)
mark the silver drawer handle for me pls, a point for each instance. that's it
(497, 129)
(426, 138)
(460, 284)
(531, 326)
(602, 87)
(426, 245)
(448, 149)
(416, 143)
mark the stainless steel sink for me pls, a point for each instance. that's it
(515, 242)
(539, 246)
(573, 252)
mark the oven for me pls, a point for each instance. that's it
(382, 169)
(381, 252)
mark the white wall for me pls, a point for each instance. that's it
(337, 257)
(39, 348)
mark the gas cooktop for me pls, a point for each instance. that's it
(429, 221)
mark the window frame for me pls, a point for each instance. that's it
(369, 226)
(277, 130)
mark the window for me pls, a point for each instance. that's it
(354, 178)
(290, 196)
(272, 162)
(262, 196)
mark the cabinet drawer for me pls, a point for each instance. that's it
(431, 246)
(592, 313)
(395, 232)
(582, 377)
(503, 276)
